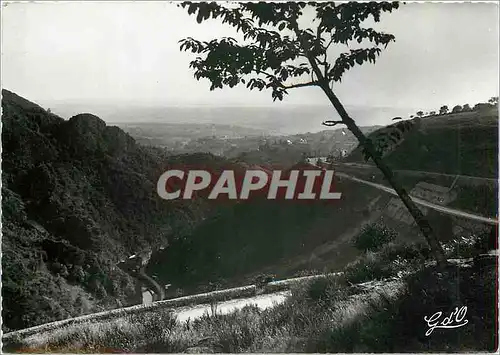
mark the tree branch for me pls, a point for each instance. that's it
(332, 123)
(286, 87)
(301, 85)
(267, 74)
(329, 43)
(326, 66)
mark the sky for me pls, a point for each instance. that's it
(127, 53)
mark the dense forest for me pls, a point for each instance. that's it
(78, 196)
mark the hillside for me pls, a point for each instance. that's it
(269, 235)
(182, 138)
(252, 145)
(463, 143)
(77, 196)
(264, 236)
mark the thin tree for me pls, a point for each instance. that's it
(276, 50)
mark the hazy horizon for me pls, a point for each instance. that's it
(275, 120)
(125, 55)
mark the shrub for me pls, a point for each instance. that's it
(327, 291)
(373, 237)
(368, 268)
(487, 241)
(405, 251)
(230, 333)
(156, 321)
(369, 332)
(470, 246)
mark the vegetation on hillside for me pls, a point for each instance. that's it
(78, 196)
(378, 305)
(65, 227)
(251, 147)
(471, 145)
(444, 110)
(259, 234)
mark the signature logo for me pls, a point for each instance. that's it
(455, 320)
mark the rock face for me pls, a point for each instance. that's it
(87, 135)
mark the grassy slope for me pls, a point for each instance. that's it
(327, 315)
(261, 235)
(464, 143)
(269, 236)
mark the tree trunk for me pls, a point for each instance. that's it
(420, 219)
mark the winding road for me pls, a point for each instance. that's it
(418, 201)
(468, 178)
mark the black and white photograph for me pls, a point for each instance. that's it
(249, 177)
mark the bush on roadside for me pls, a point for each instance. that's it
(369, 267)
(471, 245)
(405, 251)
(327, 291)
(373, 237)
(461, 247)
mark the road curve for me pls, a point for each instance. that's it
(418, 172)
(275, 287)
(418, 201)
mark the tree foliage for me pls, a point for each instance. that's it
(276, 59)
(268, 58)
(443, 110)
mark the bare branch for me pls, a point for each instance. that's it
(329, 43)
(301, 85)
(269, 75)
(325, 61)
(332, 123)
(286, 87)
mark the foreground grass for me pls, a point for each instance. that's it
(333, 314)
(323, 304)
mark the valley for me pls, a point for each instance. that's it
(80, 209)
